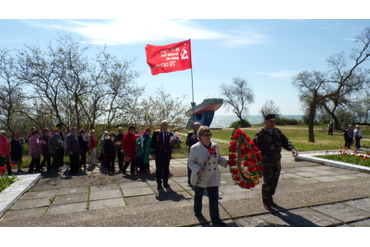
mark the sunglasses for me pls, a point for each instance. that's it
(206, 135)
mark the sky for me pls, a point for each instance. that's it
(266, 51)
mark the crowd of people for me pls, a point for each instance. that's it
(131, 148)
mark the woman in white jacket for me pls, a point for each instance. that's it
(203, 161)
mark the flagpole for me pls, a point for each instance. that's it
(192, 89)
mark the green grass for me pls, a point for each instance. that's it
(298, 135)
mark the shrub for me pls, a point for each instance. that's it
(240, 124)
(287, 121)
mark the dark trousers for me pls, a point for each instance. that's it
(56, 161)
(61, 159)
(120, 157)
(131, 164)
(110, 162)
(330, 132)
(213, 202)
(34, 163)
(271, 176)
(162, 165)
(7, 163)
(74, 162)
(83, 160)
(46, 160)
(347, 142)
(358, 142)
(139, 163)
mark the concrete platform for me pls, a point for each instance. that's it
(309, 195)
(11, 194)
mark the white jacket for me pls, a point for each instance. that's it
(197, 157)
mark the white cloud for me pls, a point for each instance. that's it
(123, 31)
(241, 38)
(280, 74)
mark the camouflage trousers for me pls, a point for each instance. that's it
(271, 175)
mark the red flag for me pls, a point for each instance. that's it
(169, 58)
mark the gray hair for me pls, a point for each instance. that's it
(196, 123)
(201, 131)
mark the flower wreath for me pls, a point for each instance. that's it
(245, 160)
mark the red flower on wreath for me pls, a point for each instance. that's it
(233, 149)
(236, 136)
(232, 156)
(234, 171)
(238, 131)
(233, 143)
(242, 184)
(232, 163)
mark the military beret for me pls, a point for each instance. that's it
(270, 117)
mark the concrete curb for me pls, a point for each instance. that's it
(11, 194)
(310, 157)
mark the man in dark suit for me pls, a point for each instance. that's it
(191, 139)
(110, 151)
(160, 150)
(120, 155)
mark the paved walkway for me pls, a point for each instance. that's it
(309, 194)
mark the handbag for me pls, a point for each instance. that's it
(142, 144)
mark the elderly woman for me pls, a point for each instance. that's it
(5, 151)
(142, 157)
(203, 160)
(16, 151)
(128, 147)
(35, 151)
(357, 133)
(93, 144)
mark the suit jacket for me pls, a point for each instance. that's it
(16, 150)
(109, 148)
(158, 146)
(190, 141)
(200, 158)
(72, 144)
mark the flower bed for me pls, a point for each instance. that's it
(351, 156)
(5, 180)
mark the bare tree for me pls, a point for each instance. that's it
(237, 96)
(161, 106)
(76, 89)
(11, 93)
(316, 88)
(269, 107)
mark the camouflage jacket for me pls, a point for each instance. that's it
(271, 144)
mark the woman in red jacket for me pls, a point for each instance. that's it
(5, 151)
(128, 147)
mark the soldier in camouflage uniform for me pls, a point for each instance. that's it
(270, 140)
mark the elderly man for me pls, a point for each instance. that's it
(120, 155)
(348, 136)
(270, 140)
(73, 148)
(191, 139)
(160, 150)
